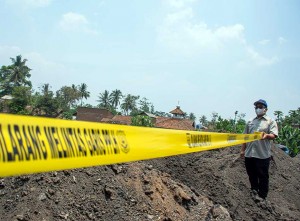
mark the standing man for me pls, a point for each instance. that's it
(258, 153)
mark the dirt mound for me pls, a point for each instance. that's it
(209, 185)
(221, 175)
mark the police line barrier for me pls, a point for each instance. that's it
(37, 144)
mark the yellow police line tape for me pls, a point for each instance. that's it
(36, 144)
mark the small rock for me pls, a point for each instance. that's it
(74, 179)
(51, 192)
(219, 211)
(150, 216)
(117, 169)
(2, 185)
(24, 193)
(66, 172)
(149, 167)
(108, 192)
(56, 180)
(64, 216)
(21, 217)
(42, 197)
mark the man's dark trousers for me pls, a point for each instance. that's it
(258, 172)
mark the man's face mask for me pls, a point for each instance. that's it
(260, 110)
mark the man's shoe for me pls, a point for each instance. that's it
(257, 198)
(253, 193)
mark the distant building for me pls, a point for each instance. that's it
(118, 119)
(177, 122)
(92, 114)
(4, 103)
(174, 123)
(177, 112)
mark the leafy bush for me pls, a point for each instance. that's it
(290, 137)
(142, 121)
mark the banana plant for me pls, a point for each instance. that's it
(290, 137)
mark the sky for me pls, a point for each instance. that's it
(204, 55)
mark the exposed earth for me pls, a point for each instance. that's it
(210, 185)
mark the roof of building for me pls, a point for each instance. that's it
(105, 116)
(177, 111)
(174, 123)
(148, 114)
(92, 114)
(7, 97)
(118, 119)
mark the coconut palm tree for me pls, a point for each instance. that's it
(278, 115)
(45, 89)
(14, 75)
(19, 72)
(104, 100)
(129, 103)
(115, 98)
(203, 120)
(83, 92)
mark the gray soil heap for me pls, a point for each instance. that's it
(210, 185)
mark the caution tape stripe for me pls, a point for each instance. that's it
(36, 144)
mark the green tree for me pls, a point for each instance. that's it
(5, 87)
(279, 116)
(21, 99)
(14, 75)
(152, 111)
(224, 125)
(203, 120)
(45, 103)
(67, 97)
(115, 98)
(104, 100)
(83, 92)
(162, 114)
(192, 116)
(129, 104)
(140, 120)
(214, 120)
(145, 105)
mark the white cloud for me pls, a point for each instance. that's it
(181, 32)
(28, 4)
(281, 40)
(258, 59)
(264, 42)
(230, 32)
(76, 22)
(178, 3)
(177, 31)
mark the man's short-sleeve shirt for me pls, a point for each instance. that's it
(261, 148)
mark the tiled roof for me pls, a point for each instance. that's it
(177, 111)
(147, 114)
(105, 116)
(92, 114)
(118, 119)
(174, 123)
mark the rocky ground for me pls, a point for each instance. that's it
(210, 185)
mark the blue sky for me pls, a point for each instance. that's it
(207, 55)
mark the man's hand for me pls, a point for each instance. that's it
(267, 136)
(242, 154)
